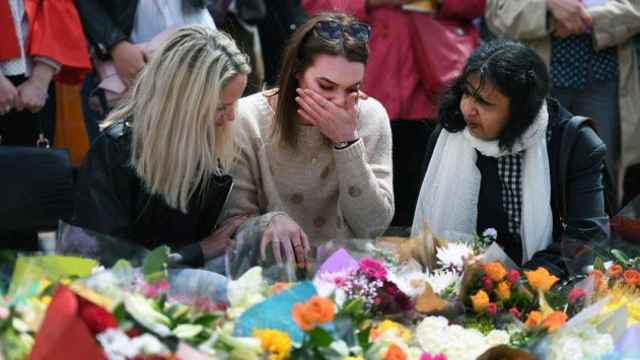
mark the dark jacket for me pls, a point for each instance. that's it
(576, 170)
(108, 22)
(111, 199)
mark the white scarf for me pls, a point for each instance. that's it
(448, 200)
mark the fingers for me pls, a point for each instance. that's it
(298, 249)
(305, 116)
(585, 16)
(232, 224)
(275, 247)
(311, 105)
(306, 245)
(352, 100)
(362, 95)
(287, 244)
(311, 113)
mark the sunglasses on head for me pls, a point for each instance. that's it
(333, 30)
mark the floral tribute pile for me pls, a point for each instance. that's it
(471, 305)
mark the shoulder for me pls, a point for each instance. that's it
(112, 145)
(373, 116)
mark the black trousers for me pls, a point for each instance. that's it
(21, 128)
(410, 139)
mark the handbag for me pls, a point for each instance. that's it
(442, 46)
(36, 188)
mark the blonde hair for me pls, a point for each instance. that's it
(176, 147)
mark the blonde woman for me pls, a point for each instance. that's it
(156, 173)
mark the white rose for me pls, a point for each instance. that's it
(497, 337)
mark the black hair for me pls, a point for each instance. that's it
(513, 69)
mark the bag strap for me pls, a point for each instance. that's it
(569, 138)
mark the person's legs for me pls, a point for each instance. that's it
(18, 128)
(599, 101)
(410, 139)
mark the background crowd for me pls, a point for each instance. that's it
(592, 49)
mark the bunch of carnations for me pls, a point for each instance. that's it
(369, 283)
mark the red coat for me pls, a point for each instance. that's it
(390, 75)
(55, 32)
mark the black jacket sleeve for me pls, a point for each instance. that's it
(101, 198)
(587, 223)
(100, 24)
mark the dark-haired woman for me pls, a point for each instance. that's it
(499, 161)
(315, 161)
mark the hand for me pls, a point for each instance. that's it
(284, 233)
(216, 243)
(572, 14)
(33, 92)
(561, 31)
(336, 123)
(8, 95)
(128, 60)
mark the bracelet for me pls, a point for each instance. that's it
(344, 144)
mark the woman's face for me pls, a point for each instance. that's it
(333, 77)
(230, 94)
(486, 110)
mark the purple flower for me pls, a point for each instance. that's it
(373, 269)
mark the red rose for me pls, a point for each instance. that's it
(515, 312)
(487, 283)
(575, 295)
(513, 276)
(492, 309)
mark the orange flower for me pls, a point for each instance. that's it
(533, 319)
(395, 353)
(598, 279)
(495, 270)
(615, 271)
(632, 277)
(503, 291)
(480, 301)
(541, 279)
(555, 321)
(318, 310)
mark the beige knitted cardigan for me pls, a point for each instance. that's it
(331, 194)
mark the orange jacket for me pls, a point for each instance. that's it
(55, 32)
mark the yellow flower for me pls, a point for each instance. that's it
(541, 279)
(503, 291)
(480, 301)
(495, 270)
(277, 343)
(46, 299)
(390, 326)
(353, 358)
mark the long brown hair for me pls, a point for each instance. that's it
(303, 47)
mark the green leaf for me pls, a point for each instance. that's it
(363, 339)
(154, 266)
(319, 337)
(621, 257)
(187, 331)
(207, 320)
(598, 264)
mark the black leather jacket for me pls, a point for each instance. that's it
(108, 22)
(576, 178)
(111, 199)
